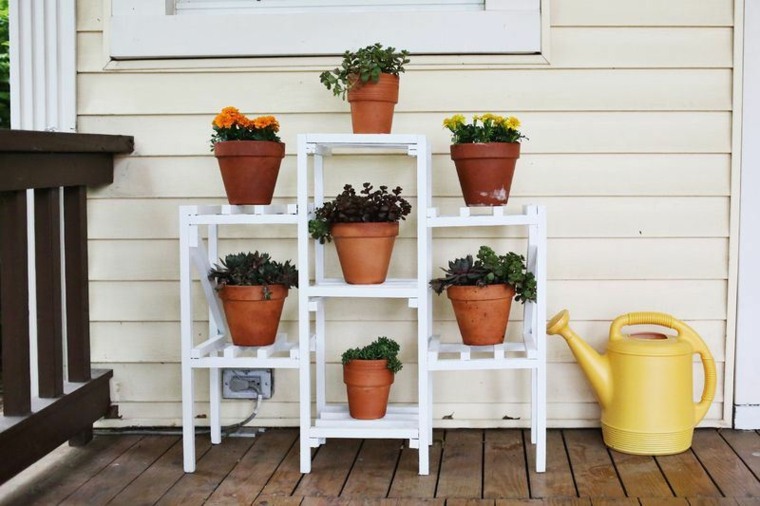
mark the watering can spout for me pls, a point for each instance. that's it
(596, 367)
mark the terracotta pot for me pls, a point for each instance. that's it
(253, 321)
(485, 171)
(249, 170)
(368, 383)
(482, 312)
(372, 105)
(364, 250)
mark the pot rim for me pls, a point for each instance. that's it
(474, 292)
(364, 229)
(252, 292)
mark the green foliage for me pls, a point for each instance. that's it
(254, 269)
(484, 128)
(369, 206)
(5, 68)
(364, 65)
(489, 269)
(379, 349)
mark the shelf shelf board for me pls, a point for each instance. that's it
(376, 141)
(218, 352)
(479, 216)
(392, 288)
(241, 215)
(461, 357)
(400, 422)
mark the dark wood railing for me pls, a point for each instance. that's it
(66, 408)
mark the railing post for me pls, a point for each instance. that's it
(17, 399)
(77, 279)
(47, 227)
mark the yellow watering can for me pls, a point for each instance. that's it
(644, 382)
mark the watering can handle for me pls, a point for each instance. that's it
(684, 332)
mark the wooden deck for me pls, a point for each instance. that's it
(468, 467)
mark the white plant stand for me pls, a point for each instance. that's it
(217, 351)
(530, 352)
(410, 422)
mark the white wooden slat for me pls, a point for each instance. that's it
(596, 217)
(480, 90)
(643, 13)
(550, 132)
(646, 47)
(537, 175)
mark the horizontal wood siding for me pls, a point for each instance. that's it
(630, 127)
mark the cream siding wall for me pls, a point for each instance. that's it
(630, 152)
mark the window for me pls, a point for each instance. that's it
(234, 28)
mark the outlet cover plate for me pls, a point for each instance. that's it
(263, 379)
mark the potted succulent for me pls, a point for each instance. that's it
(481, 293)
(364, 227)
(249, 153)
(368, 373)
(369, 78)
(253, 288)
(485, 153)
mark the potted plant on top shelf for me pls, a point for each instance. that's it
(368, 373)
(481, 293)
(253, 288)
(369, 78)
(364, 226)
(485, 153)
(249, 153)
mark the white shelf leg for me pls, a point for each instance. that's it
(304, 317)
(215, 404)
(540, 336)
(186, 333)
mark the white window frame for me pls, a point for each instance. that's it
(142, 29)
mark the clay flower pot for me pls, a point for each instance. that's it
(251, 319)
(482, 312)
(485, 171)
(249, 170)
(368, 384)
(364, 250)
(372, 105)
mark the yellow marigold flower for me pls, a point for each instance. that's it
(512, 122)
(488, 116)
(454, 121)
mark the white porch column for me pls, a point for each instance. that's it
(747, 393)
(43, 64)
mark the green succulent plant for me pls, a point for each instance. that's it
(253, 269)
(489, 269)
(379, 349)
(367, 206)
(363, 65)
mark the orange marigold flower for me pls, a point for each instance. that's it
(228, 117)
(266, 122)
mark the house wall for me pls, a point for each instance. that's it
(630, 127)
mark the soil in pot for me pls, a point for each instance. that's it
(372, 105)
(485, 171)
(482, 312)
(251, 319)
(249, 170)
(364, 250)
(368, 384)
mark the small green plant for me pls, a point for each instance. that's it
(484, 128)
(253, 269)
(489, 269)
(368, 206)
(381, 348)
(364, 65)
(231, 125)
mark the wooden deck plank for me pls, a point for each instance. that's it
(663, 501)
(461, 464)
(557, 481)
(373, 471)
(746, 444)
(278, 501)
(160, 476)
(469, 502)
(640, 475)
(407, 482)
(592, 467)
(63, 477)
(287, 476)
(616, 501)
(686, 475)
(209, 472)
(329, 469)
(252, 473)
(106, 484)
(747, 501)
(711, 501)
(504, 466)
(733, 477)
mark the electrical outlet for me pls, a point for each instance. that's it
(247, 383)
